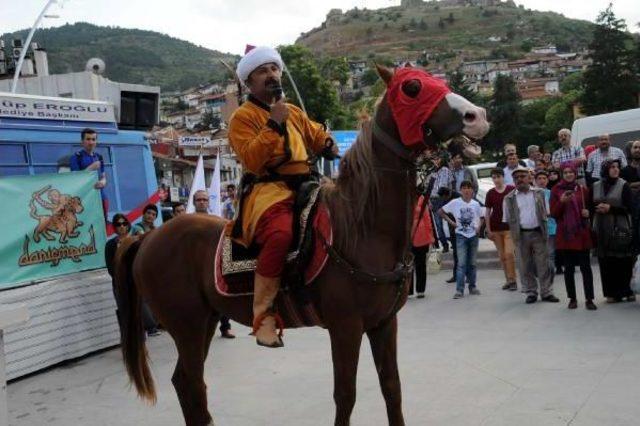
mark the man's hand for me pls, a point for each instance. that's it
(635, 186)
(279, 111)
(100, 184)
(585, 213)
(94, 166)
(490, 235)
(603, 208)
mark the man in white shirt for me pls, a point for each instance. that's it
(604, 152)
(526, 210)
(566, 152)
(534, 154)
(468, 216)
(512, 164)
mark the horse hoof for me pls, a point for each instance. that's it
(276, 344)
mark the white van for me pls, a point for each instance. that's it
(622, 127)
(482, 172)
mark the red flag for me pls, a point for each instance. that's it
(248, 48)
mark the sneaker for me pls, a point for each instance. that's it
(531, 299)
(420, 296)
(506, 286)
(513, 287)
(474, 291)
(550, 298)
(451, 280)
(458, 295)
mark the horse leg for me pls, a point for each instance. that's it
(345, 350)
(383, 342)
(188, 377)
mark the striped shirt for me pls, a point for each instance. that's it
(594, 163)
(569, 154)
(443, 179)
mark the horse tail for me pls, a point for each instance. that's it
(134, 351)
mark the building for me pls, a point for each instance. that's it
(136, 106)
(537, 88)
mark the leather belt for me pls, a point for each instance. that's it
(537, 229)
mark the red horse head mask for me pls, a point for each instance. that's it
(411, 112)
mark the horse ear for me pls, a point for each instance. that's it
(385, 73)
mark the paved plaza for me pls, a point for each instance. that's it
(481, 360)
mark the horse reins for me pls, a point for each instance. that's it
(405, 267)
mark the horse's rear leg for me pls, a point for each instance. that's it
(383, 342)
(188, 378)
(346, 338)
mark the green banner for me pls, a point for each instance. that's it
(53, 224)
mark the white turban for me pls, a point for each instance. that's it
(256, 57)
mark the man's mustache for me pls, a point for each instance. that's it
(272, 82)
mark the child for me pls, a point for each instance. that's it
(468, 216)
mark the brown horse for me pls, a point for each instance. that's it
(371, 207)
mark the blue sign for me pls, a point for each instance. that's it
(344, 139)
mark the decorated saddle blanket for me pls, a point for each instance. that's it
(235, 266)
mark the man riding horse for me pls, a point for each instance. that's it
(271, 138)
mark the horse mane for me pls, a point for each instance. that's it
(352, 198)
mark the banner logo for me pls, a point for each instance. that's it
(58, 223)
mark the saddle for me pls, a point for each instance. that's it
(235, 265)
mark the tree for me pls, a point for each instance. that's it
(458, 84)
(318, 94)
(210, 121)
(505, 111)
(610, 82)
(423, 25)
(335, 69)
(369, 77)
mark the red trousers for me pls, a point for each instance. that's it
(274, 235)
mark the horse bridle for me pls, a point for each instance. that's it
(404, 268)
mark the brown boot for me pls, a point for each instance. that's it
(264, 319)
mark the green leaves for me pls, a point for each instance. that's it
(611, 82)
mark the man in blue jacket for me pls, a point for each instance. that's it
(89, 159)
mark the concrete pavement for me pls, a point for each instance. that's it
(481, 360)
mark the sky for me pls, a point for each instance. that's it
(228, 25)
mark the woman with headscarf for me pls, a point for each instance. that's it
(612, 225)
(569, 202)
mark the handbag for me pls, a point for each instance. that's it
(622, 237)
(434, 262)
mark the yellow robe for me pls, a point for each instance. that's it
(258, 146)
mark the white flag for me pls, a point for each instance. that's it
(215, 206)
(197, 184)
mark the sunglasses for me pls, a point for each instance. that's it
(121, 224)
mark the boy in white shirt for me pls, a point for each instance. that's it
(469, 217)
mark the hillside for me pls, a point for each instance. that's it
(444, 32)
(131, 55)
